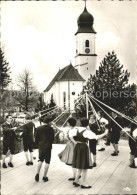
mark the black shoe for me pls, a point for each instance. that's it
(37, 177)
(117, 151)
(102, 149)
(134, 163)
(94, 164)
(133, 166)
(10, 164)
(4, 165)
(71, 179)
(45, 179)
(86, 187)
(27, 163)
(76, 184)
(114, 154)
(31, 163)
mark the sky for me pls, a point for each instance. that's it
(39, 35)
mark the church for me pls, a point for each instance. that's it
(68, 83)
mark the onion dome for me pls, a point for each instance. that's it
(85, 22)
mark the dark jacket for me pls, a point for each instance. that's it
(8, 133)
(114, 127)
(44, 137)
(94, 128)
(28, 131)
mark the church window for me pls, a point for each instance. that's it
(87, 43)
(64, 99)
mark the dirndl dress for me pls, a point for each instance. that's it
(66, 155)
(81, 155)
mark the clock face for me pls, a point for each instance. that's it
(87, 50)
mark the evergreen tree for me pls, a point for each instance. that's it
(4, 78)
(4, 71)
(110, 84)
(40, 104)
(52, 103)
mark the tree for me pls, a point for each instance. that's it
(27, 96)
(110, 84)
(4, 71)
(4, 77)
(52, 103)
(40, 104)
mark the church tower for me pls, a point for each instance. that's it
(85, 59)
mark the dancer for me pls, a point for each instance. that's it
(67, 154)
(133, 143)
(28, 138)
(103, 122)
(97, 127)
(44, 139)
(81, 152)
(36, 121)
(93, 142)
(115, 132)
(8, 140)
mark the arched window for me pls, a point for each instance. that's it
(87, 43)
(64, 99)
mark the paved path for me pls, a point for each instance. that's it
(111, 176)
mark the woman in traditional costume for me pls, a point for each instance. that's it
(81, 160)
(66, 155)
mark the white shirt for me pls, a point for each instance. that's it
(87, 133)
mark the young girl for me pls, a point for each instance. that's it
(66, 155)
(81, 152)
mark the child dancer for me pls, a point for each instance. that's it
(28, 138)
(133, 143)
(8, 140)
(67, 154)
(44, 139)
(81, 152)
(103, 122)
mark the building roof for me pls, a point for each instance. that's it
(69, 73)
(85, 22)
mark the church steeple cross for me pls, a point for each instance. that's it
(85, 3)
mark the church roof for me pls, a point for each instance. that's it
(69, 73)
(85, 22)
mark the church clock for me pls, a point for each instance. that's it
(87, 50)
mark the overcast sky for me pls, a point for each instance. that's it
(39, 35)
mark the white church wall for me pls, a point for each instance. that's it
(48, 94)
(86, 62)
(70, 87)
(86, 69)
(80, 40)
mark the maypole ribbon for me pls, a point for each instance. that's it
(113, 119)
(70, 114)
(124, 116)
